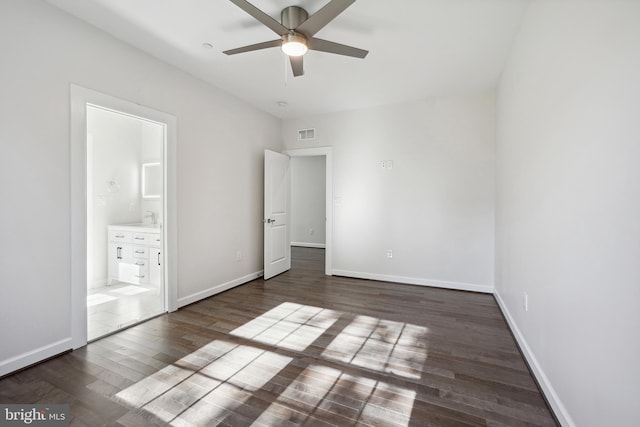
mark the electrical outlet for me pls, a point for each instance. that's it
(526, 302)
(311, 231)
(389, 164)
(389, 253)
(238, 255)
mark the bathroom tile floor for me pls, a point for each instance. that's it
(119, 305)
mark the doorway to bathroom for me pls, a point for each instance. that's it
(125, 217)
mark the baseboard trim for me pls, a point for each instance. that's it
(309, 245)
(487, 289)
(34, 356)
(560, 411)
(190, 299)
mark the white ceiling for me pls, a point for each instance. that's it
(417, 48)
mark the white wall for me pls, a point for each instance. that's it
(220, 155)
(434, 209)
(568, 206)
(151, 151)
(308, 201)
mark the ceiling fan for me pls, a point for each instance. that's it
(296, 31)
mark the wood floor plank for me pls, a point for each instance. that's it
(301, 349)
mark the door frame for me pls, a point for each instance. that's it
(80, 97)
(327, 152)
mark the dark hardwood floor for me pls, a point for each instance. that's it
(300, 349)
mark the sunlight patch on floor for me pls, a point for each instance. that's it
(289, 325)
(223, 379)
(114, 306)
(130, 290)
(321, 392)
(96, 299)
(381, 345)
(221, 373)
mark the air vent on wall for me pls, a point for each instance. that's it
(306, 134)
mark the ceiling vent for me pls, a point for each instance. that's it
(306, 134)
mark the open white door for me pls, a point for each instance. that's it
(277, 243)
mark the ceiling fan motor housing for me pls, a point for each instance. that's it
(293, 16)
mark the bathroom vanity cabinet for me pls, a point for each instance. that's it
(135, 254)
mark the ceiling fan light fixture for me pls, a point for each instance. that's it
(294, 45)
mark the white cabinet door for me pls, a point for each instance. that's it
(113, 261)
(155, 266)
(126, 253)
(121, 262)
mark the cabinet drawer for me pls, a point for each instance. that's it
(142, 271)
(155, 240)
(141, 263)
(142, 276)
(135, 272)
(151, 239)
(120, 236)
(141, 238)
(141, 252)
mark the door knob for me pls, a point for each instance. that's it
(270, 221)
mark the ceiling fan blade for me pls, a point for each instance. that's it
(296, 65)
(274, 25)
(257, 46)
(318, 20)
(337, 48)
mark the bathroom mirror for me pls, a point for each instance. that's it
(151, 180)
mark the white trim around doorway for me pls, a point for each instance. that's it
(327, 152)
(80, 97)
